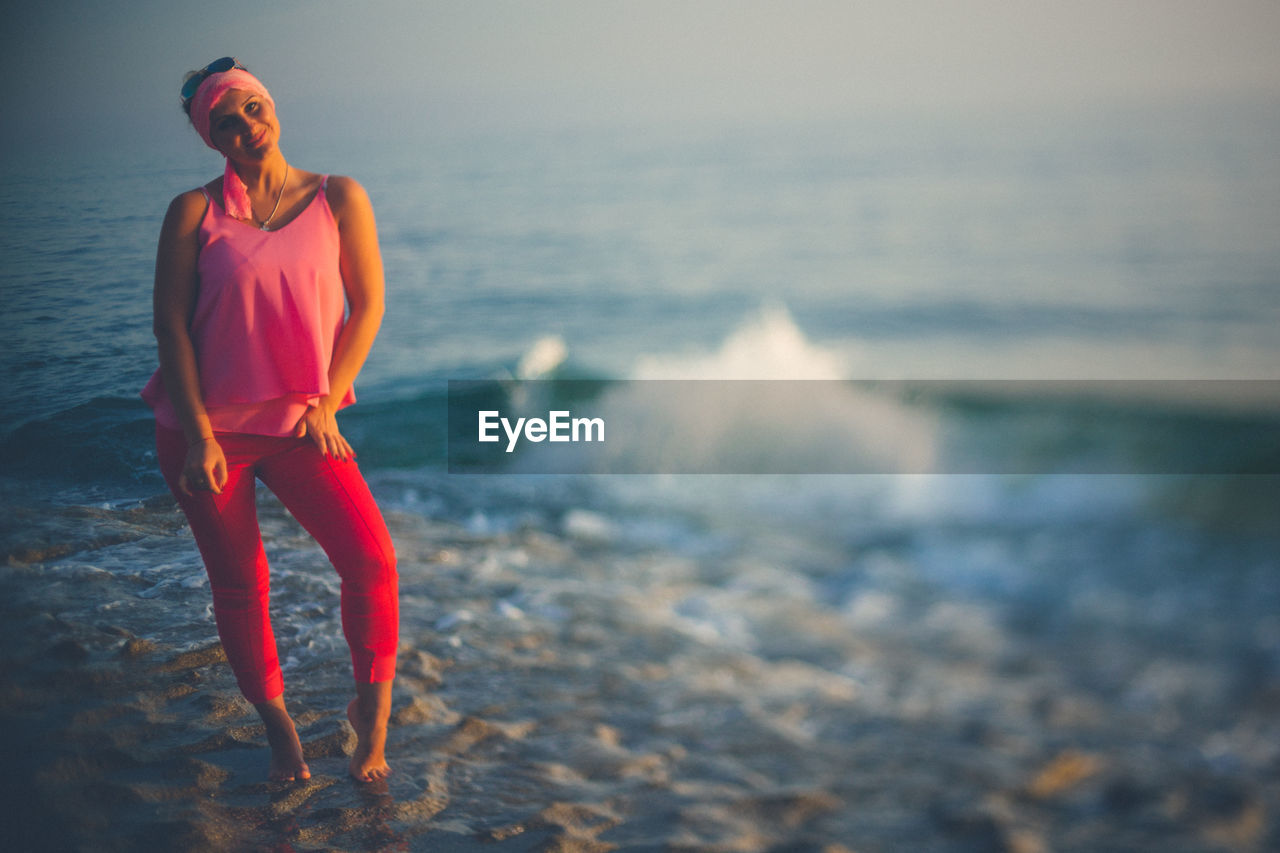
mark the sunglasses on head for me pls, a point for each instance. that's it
(193, 82)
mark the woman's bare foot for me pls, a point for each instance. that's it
(287, 763)
(368, 713)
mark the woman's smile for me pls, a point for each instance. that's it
(244, 121)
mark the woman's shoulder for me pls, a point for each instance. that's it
(340, 188)
(197, 197)
(345, 195)
(188, 207)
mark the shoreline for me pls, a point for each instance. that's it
(596, 732)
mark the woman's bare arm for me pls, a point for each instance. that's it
(173, 301)
(362, 279)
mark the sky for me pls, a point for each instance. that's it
(100, 72)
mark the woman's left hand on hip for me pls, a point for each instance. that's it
(320, 424)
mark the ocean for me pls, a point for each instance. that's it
(1079, 649)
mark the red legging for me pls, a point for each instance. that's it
(331, 500)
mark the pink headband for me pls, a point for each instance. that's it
(235, 195)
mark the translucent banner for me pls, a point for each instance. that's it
(864, 427)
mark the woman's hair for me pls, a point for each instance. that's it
(186, 102)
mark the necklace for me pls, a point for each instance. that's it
(279, 196)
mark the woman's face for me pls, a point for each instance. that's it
(243, 125)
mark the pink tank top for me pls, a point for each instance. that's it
(267, 315)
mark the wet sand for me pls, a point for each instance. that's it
(581, 735)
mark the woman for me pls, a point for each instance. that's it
(252, 272)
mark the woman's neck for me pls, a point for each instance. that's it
(265, 176)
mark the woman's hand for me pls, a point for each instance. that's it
(319, 423)
(205, 468)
